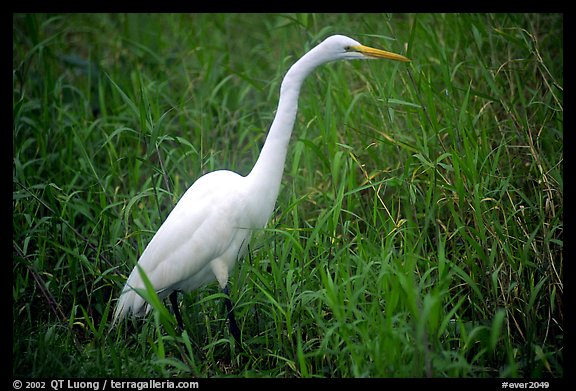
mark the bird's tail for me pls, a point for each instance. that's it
(130, 300)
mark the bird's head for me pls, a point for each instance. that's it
(340, 47)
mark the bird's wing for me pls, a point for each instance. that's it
(199, 229)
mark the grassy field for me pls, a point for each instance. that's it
(419, 227)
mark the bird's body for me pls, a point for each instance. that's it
(210, 227)
(182, 238)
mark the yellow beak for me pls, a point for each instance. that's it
(377, 53)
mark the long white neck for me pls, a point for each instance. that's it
(267, 173)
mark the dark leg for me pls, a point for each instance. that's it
(174, 301)
(250, 254)
(234, 330)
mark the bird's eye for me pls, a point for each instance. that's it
(347, 48)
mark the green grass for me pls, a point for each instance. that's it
(419, 227)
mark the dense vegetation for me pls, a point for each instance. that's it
(418, 232)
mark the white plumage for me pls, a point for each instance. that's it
(210, 227)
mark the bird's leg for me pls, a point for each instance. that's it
(249, 254)
(174, 301)
(234, 330)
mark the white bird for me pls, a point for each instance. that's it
(210, 227)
